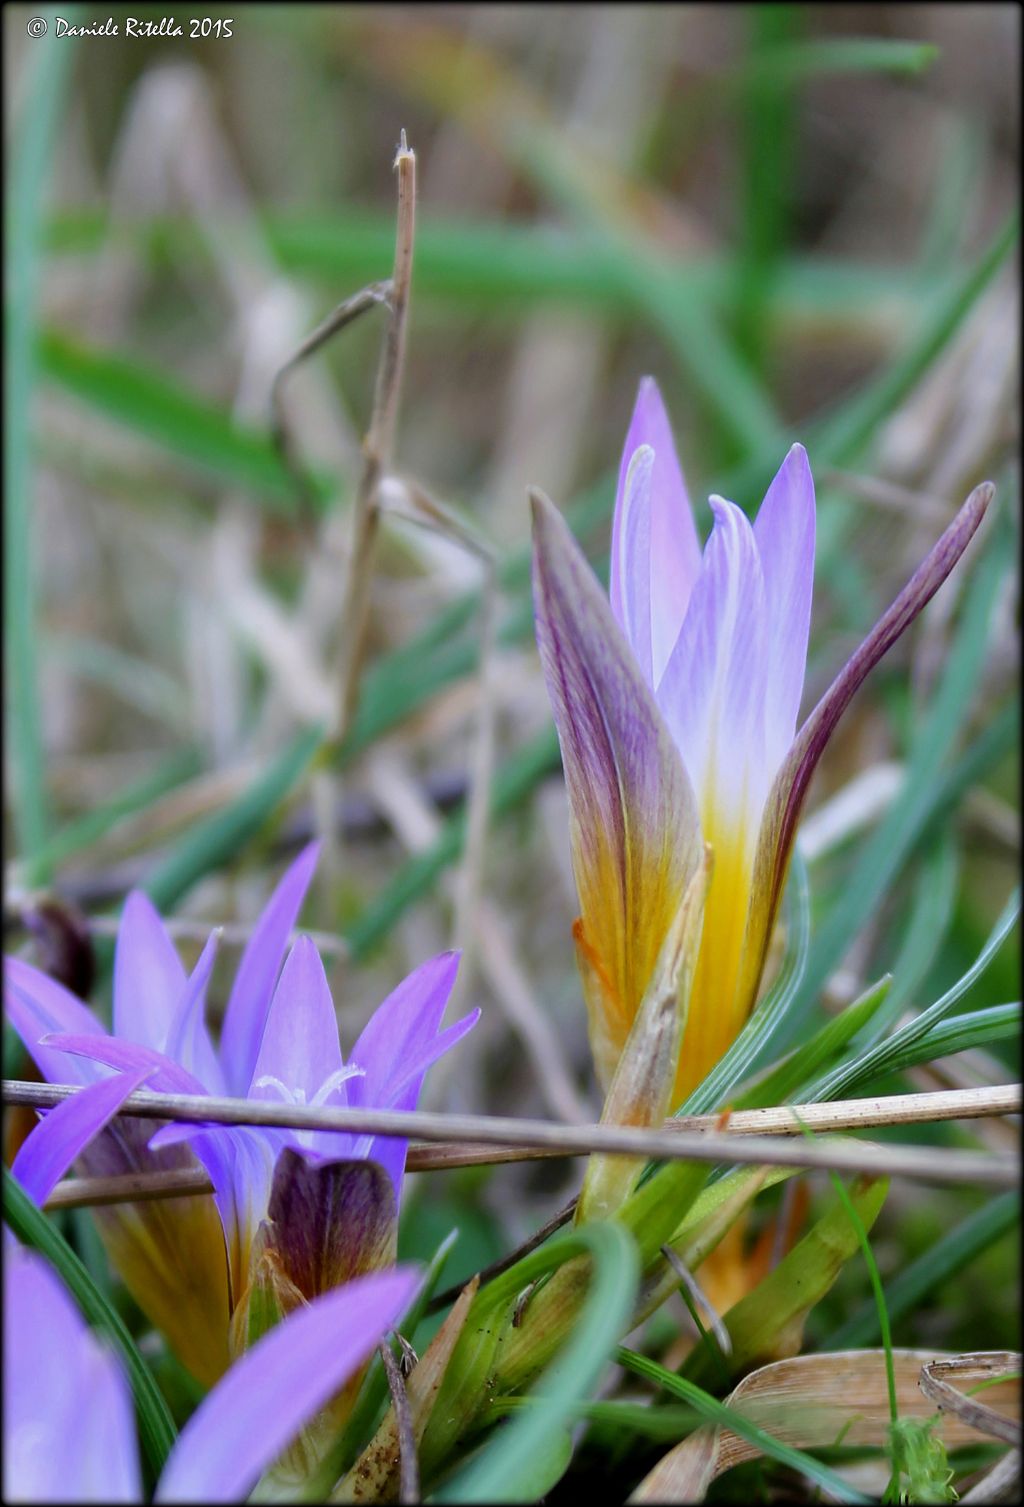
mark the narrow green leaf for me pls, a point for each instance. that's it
(87, 829)
(513, 781)
(30, 1224)
(882, 1057)
(42, 103)
(505, 1469)
(216, 841)
(190, 429)
(840, 438)
(786, 1082)
(943, 1260)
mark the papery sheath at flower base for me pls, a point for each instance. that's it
(676, 706)
(69, 1424)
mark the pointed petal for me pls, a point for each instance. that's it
(713, 692)
(793, 779)
(634, 826)
(69, 1427)
(148, 975)
(300, 1041)
(401, 1028)
(394, 1050)
(188, 1040)
(784, 530)
(37, 1005)
(274, 1388)
(630, 586)
(403, 1092)
(66, 1131)
(666, 553)
(251, 994)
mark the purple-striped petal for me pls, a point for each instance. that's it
(277, 1386)
(36, 1005)
(69, 1425)
(253, 989)
(793, 779)
(784, 531)
(713, 692)
(149, 978)
(300, 1042)
(633, 819)
(332, 1221)
(657, 557)
(66, 1131)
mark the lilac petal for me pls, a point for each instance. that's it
(793, 779)
(129, 1057)
(631, 583)
(69, 1428)
(65, 1132)
(36, 1005)
(634, 826)
(252, 991)
(300, 1041)
(188, 1040)
(784, 530)
(667, 553)
(401, 1027)
(277, 1386)
(403, 1092)
(148, 975)
(713, 692)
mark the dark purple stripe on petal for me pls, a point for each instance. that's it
(635, 830)
(331, 1221)
(793, 779)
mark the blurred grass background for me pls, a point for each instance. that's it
(800, 219)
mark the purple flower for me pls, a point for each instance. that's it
(69, 1427)
(275, 1041)
(676, 707)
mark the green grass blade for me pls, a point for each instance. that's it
(503, 1470)
(30, 175)
(722, 1416)
(883, 1057)
(840, 438)
(31, 1225)
(946, 1257)
(92, 825)
(513, 781)
(216, 840)
(785, 1082)
(977, 1028)
(190, 429)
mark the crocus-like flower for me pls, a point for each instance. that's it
(69, 1425)
(676, 707)
(171, 1253)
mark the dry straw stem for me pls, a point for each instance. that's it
(752, 1136)
(378, 446)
